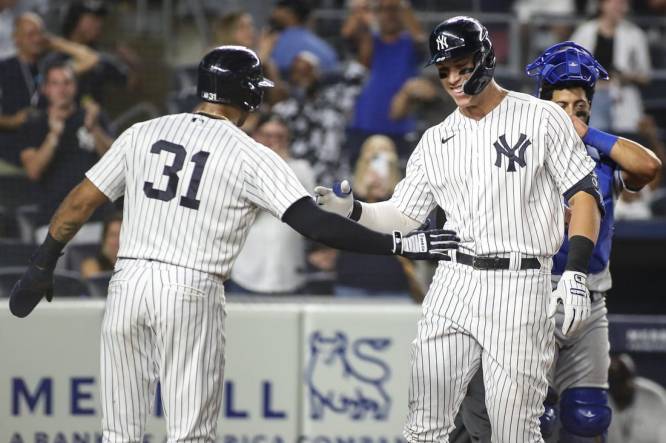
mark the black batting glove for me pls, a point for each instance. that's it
(34, 284)
(425, 245)
(37, 281)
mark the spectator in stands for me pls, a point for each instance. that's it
(288, 19)
(376, 174)
(278, 269)
(392, 54)
(377, 170)
(421, 97)
(83, 23)
(106, 258)
(19, 76)
(622, 48)
(638, 404)
(7, 48)
(316, 117)
(61, 142)
(237, 28)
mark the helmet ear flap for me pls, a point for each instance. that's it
(490, 59)
(484, 67)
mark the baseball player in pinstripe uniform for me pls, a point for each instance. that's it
(193, 184)
(566, 74)
(498, 167)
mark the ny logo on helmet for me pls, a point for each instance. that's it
(441, 42)
(502, 148)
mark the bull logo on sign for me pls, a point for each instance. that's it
(343, 386)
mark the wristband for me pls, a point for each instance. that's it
(580, 251)
(357, 210)
(48, 253)
(600, 140)
(397, 243)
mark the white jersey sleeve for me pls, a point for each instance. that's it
(269, 182)
(413, 196)
(566, 157)
(108, 174)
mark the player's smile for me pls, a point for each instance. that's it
(453, 74)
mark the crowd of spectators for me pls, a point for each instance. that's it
(353, 107)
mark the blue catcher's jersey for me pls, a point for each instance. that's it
(610, 184)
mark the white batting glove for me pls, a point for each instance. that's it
(338, 200)
(433, 244)
(572, 292)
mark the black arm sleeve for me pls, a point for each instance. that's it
(332, 230)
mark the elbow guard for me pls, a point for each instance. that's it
(590, 185)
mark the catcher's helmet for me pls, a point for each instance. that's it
(459, 37)
(232, 75)
(568, 63)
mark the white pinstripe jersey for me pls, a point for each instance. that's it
(192, 188)
(499, 180)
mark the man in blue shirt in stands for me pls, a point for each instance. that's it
(288, 18)
(393, 54)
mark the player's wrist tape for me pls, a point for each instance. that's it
(357, 210)
(600, 140)
(48, 253)
(580, 251)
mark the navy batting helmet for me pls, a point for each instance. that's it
(232, 75)
(460, 37)
(566, 63)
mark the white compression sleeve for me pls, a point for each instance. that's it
(385, 217)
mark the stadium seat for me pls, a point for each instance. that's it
(66, 284)
(17, 190)
(9, 228)
(15, 252)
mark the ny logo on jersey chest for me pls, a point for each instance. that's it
(514, 154)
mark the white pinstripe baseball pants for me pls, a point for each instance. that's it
(162, 322)
(497, 318)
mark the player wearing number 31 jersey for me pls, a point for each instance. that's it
(193, 184)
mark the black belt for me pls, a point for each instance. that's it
(490, 263)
